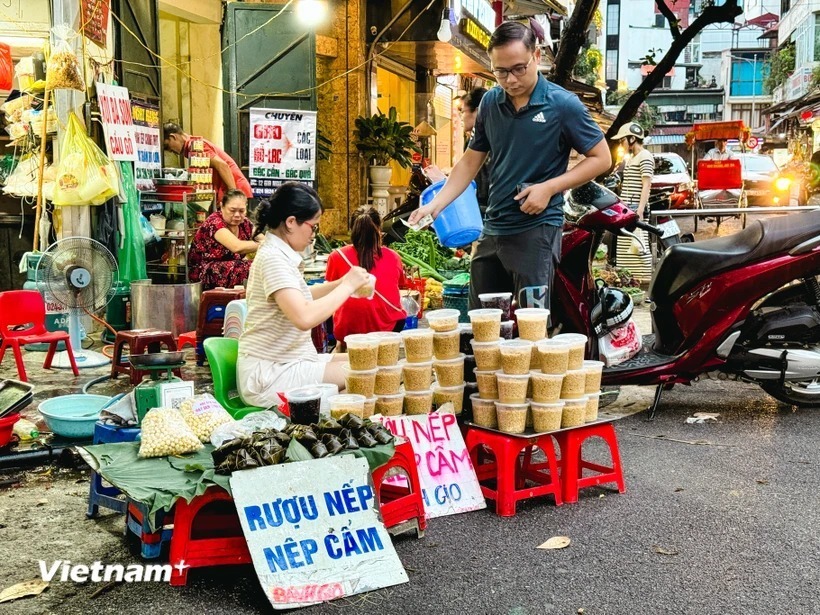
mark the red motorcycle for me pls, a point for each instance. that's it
(744, 306)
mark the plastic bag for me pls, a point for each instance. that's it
(85, 176)
(64, 70)
(204, 414)
(256, 421)
(165, 432)
(620, 344)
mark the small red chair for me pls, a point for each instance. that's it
(573, 464)
(23, 321)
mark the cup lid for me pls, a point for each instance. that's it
(303, 393)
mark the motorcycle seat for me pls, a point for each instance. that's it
(684, 265)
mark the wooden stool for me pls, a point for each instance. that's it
(139, 341)
(219, 542)
(509, 473)
(401, 506)
(573, 464)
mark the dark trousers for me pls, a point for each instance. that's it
(511, 263)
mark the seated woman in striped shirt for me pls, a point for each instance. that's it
(275, 350)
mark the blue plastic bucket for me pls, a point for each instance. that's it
(460, 222)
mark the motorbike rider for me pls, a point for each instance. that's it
(637, 177)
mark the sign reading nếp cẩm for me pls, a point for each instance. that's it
(313, 532)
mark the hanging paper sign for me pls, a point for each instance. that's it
(448, 481)
(115, 108)
(313, 532)
(148, 163)
(94, 18)
(282, 148)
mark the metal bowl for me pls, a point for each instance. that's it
(157, 359)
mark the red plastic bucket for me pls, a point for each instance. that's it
(6, 426)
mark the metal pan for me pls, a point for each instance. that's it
(157, 359)
(14, 396)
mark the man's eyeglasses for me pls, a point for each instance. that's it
(314, 226)
(518, 71)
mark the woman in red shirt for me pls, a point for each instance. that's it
(383, 312)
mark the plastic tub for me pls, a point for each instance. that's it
(486, 324)
(591, 412)
(360, 382)
(512, 388)
(515, 356)
(452, 395)
(64, 414)
(446, 344)
(7, 427)
(450, 372)
(389, 347)
(465, 331)
(573, 385)
(443, 320)
(388, 380)
(487, 383)
(484, 412)
(532, 323)
(487, 355)
(460, 223)
(553, 356)
(506, 330)
(328, 390)
(418, 402)
(546, 417)
(500, 301)
(346, 404)
(512, 418)
(574, 413)
(546, 388)
(362, 351)
(390, 405)
(577, 348)
(305, 402)
(417, 376)
(594, 371)
(418, 345)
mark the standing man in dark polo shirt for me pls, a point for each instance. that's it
(529, 126)
(227, 174)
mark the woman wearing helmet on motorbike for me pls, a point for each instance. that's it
(637, 176)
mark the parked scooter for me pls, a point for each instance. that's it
(393, 229)
(744, 306)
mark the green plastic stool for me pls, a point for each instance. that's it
(222, 353)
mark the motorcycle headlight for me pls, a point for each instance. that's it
(782, 183)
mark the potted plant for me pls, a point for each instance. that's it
(381, 138)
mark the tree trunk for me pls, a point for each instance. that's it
(725, 13)
(572, 40)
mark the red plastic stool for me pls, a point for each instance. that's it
(573, 463)
(219, 541)
(509, 473)
(186, 339)
(401, 506)
(139, 341)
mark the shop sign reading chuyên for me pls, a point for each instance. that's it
(282, 148)
(313, 532)
(148, 164)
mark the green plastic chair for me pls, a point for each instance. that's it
(222, 353)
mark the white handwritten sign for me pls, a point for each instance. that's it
(282, 148)
(148, 164)
(448, 482)
(312, 531)
(115, 108)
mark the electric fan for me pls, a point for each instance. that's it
(79, 274)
